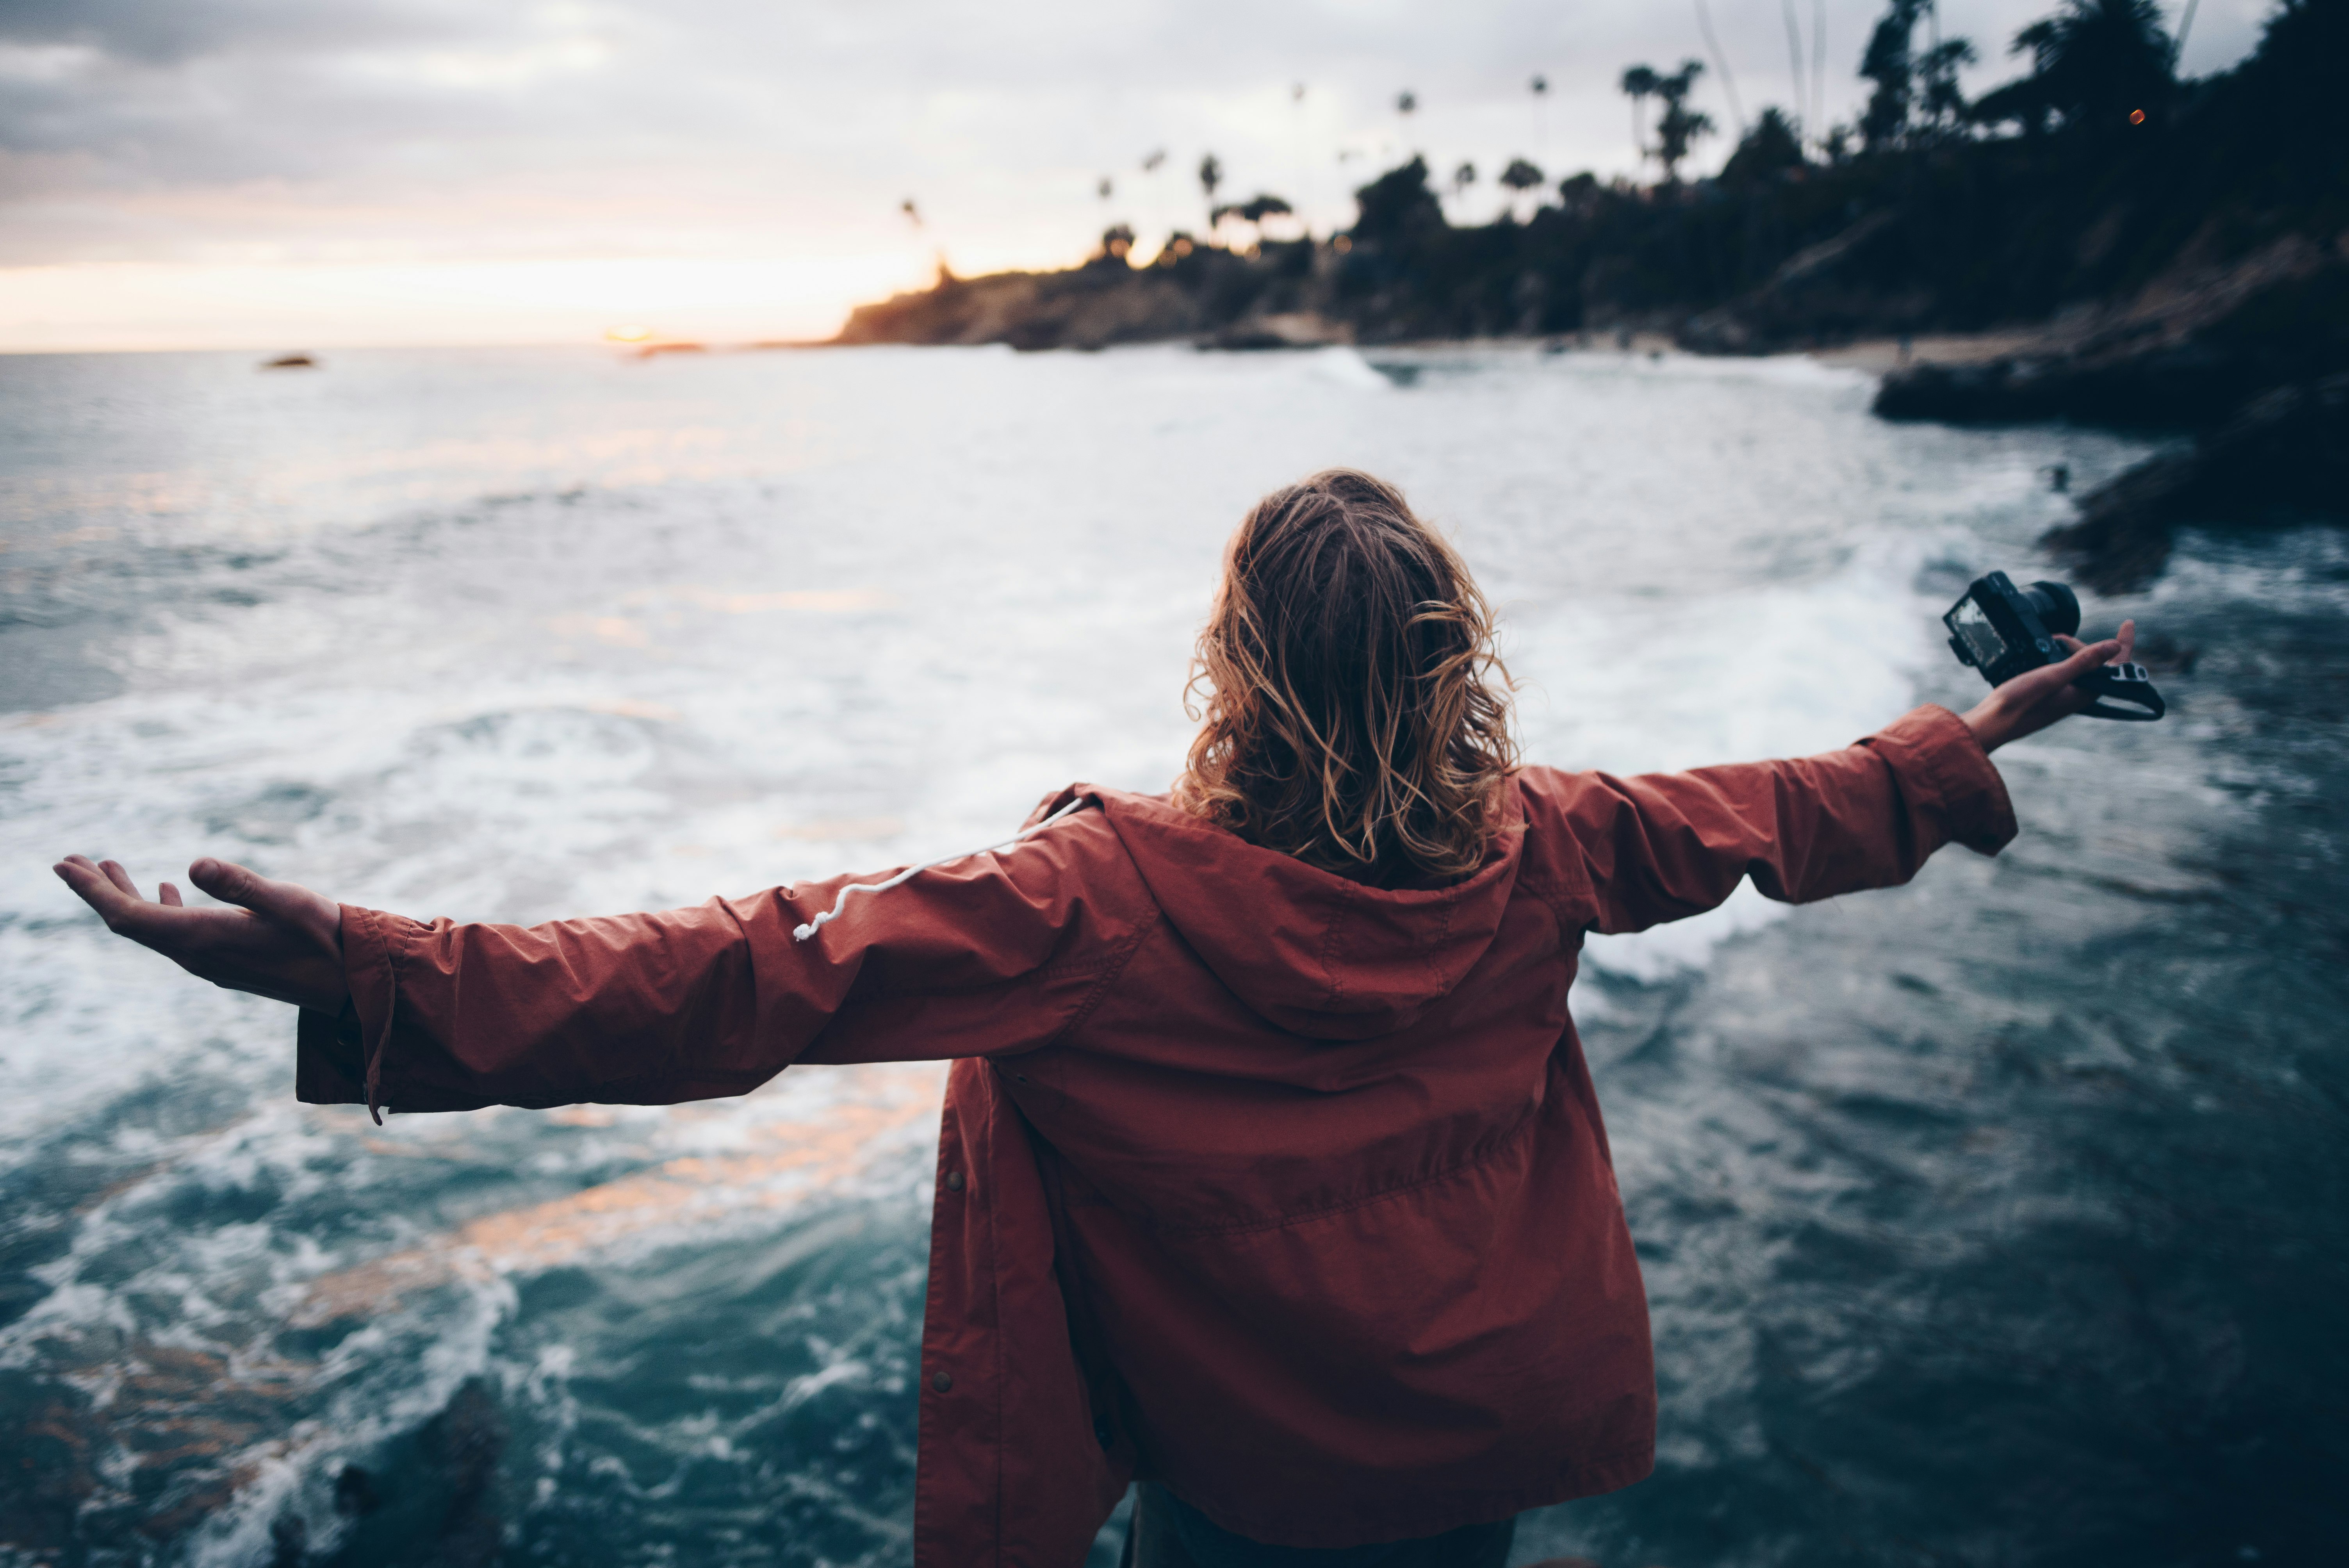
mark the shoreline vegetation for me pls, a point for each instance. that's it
(2096, 241)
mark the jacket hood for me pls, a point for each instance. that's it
(1309, 951)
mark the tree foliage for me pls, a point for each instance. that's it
(1680, 126)
(2094, 64)
(1769, 149)
(1889, 67)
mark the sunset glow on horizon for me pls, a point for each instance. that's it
(276, 177)
(119, 305)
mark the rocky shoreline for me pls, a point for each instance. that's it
(2249, 356)
(2175, 258)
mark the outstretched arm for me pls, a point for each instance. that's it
(984, 955)
(1662, 847)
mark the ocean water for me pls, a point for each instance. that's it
(1997, 1220)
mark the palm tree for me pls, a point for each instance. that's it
(1254, 211)
(1639, 83)
(1889, 64)
(2095, 61)
(1943, 104)
(1773, 144)
(1519, 177)
(1681, 125)
(1211, 174)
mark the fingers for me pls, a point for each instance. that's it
(106, 889)
(2089, 656)
(2126, 637)
(224, 879)
(2033, 686)
(229, 882)
(248, 951)
(282, 901)
(89, 884)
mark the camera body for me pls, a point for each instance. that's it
(2004, 631)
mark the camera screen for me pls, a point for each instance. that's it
(1981, 638)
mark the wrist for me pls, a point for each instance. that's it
(1990, 723)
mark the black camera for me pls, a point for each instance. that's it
(2004, 631)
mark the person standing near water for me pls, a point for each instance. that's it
(1270, 1173)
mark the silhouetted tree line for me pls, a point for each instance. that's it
(2092, 173)
(2078, 180)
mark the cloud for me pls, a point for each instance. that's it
(169, 34)
(239, 132)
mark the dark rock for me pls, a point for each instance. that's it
(2285, 456)
(290, 362)
(434, 1497)
(354, 1492)
(1295, 329)
(289, 1541)
(466, 1440)
(1094, 306)
(2190, 350)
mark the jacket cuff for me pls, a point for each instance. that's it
(1932, 746)
(362, 1036)
(329, 1063)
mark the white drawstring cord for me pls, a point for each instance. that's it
(802, 933)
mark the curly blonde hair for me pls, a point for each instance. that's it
(1353, 711)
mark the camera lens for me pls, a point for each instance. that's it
(2059, 609)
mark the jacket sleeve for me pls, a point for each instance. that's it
(984, 957)
(1664, 846)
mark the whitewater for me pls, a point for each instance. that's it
(1985, 1219)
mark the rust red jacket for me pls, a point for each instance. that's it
(1289, 1192)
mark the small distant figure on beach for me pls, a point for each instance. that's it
(2059, 477)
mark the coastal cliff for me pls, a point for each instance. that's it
(2183, 270)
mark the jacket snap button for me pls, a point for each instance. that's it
(954, 1180)
(942, 1382)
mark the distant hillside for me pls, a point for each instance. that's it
(2174, 250)
(1944, 228)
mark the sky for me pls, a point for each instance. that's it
(288, 174)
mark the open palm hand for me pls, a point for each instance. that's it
(2037, 698)
(282, 941)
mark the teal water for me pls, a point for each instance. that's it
(1995, 1219)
